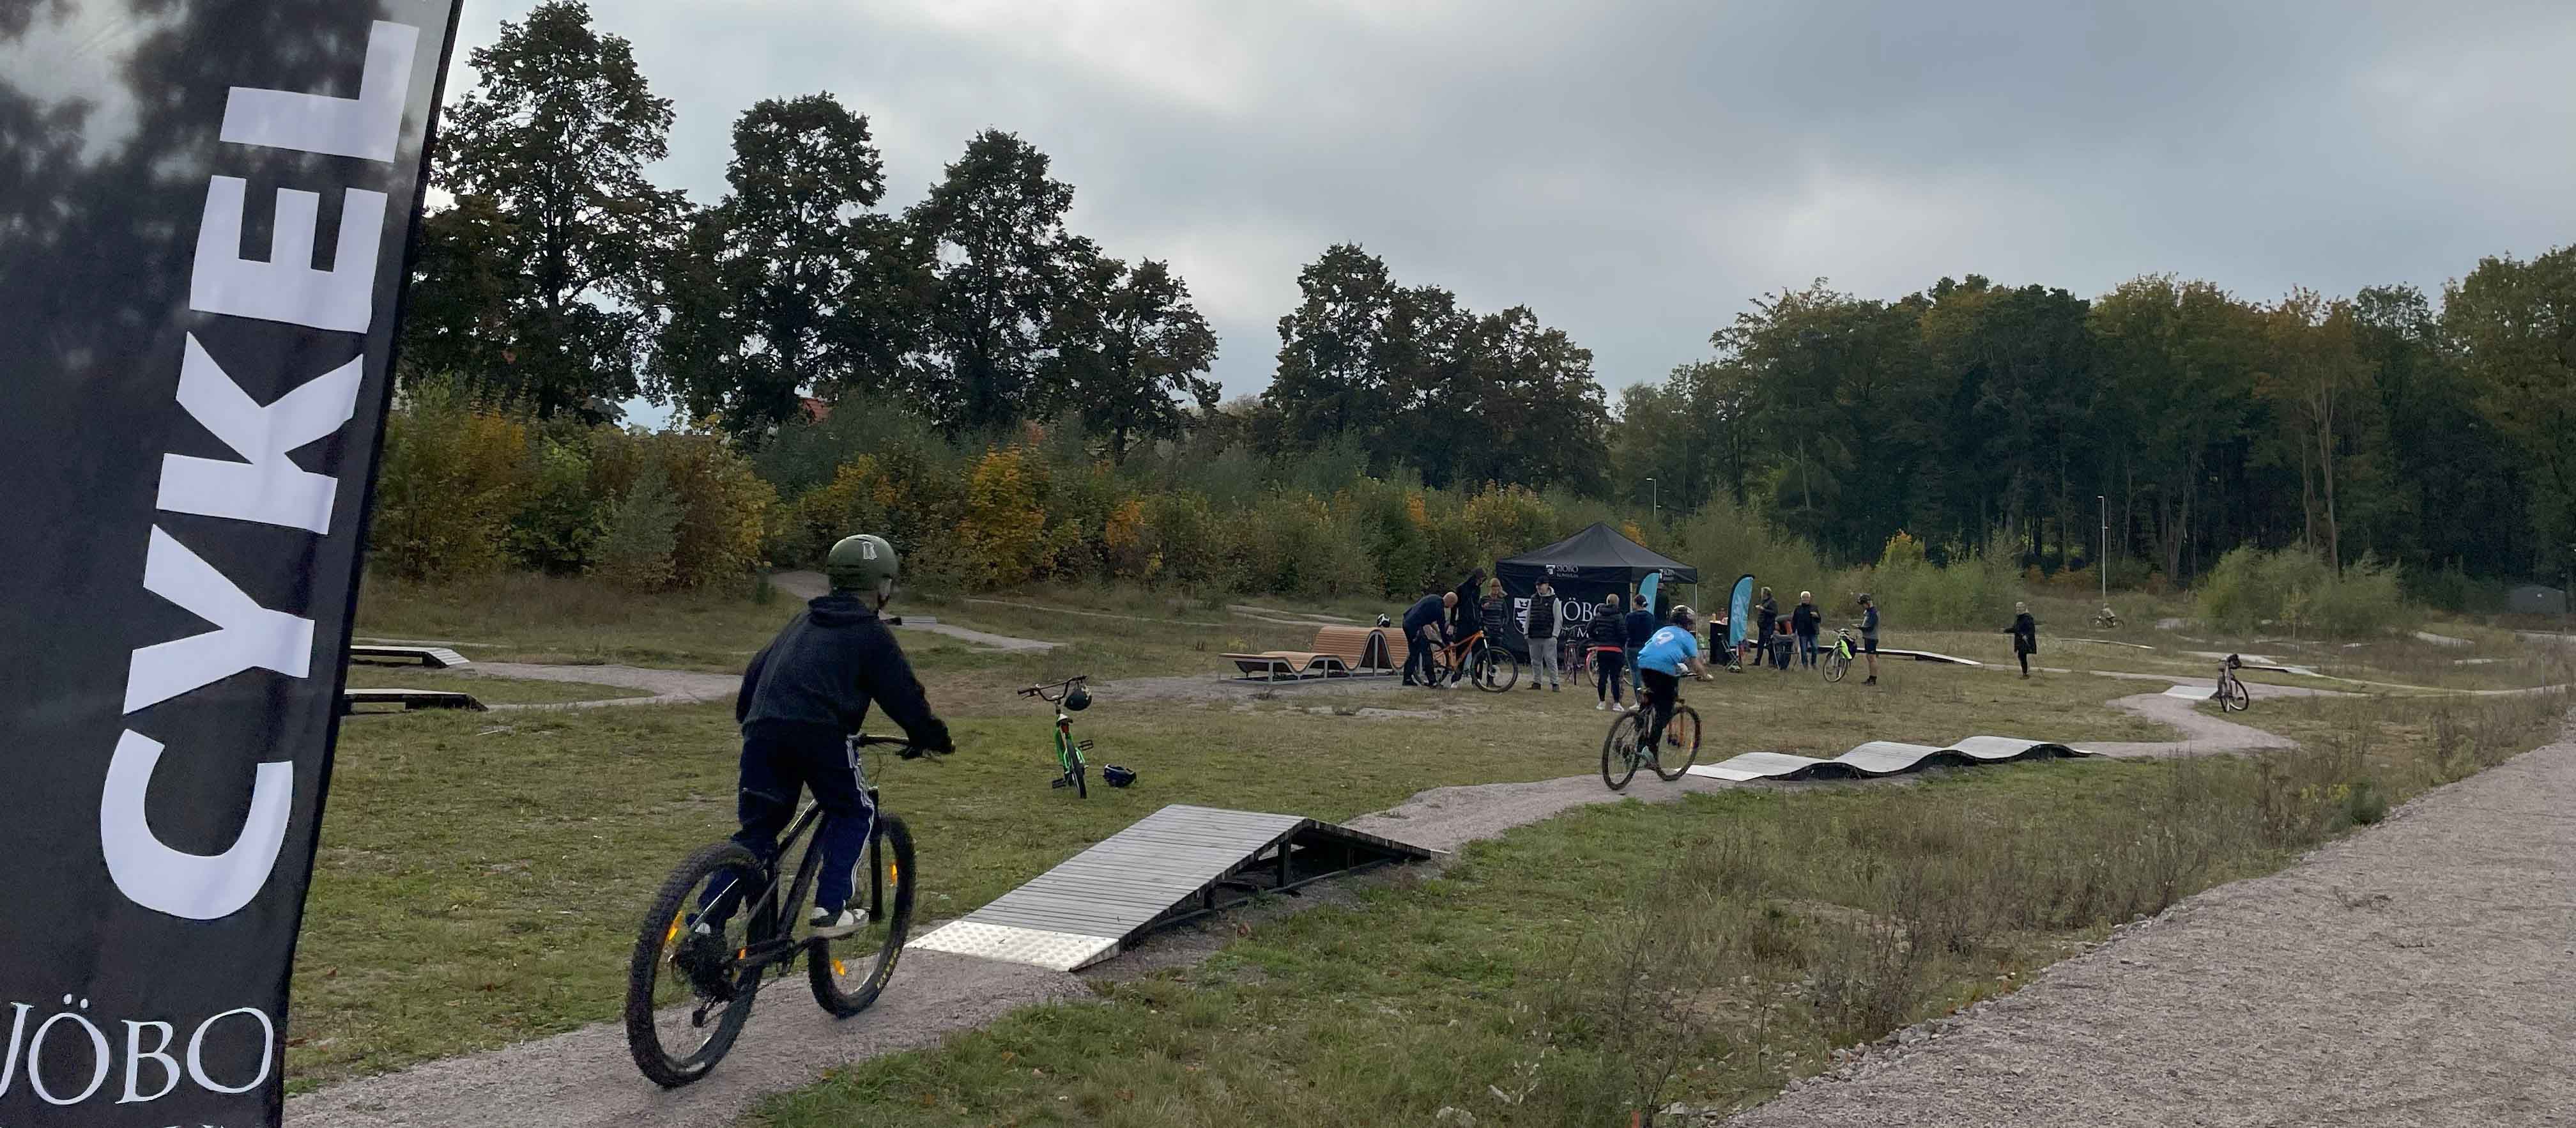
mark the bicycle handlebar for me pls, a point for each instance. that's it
(1061, 688)
(908, 750)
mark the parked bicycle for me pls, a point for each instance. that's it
(1478, 658)
(1069, 697)
(726, 921)
(1622, 751)
(2231, 694)
(1837, 658)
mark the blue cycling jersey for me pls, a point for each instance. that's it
(1667, 650)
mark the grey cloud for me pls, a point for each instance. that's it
(1636, 171)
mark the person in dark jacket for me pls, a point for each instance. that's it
(1804, 621)
(1466, 613)
(1421, 635)
(2025, 636)
(801, 697)
(1641, 623)
(1542, 637)
(1767, 617)
(1609, 654)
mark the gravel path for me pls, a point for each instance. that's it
(812, 585)
(2415, 973)
(585, 1079)
(2202, 734)
(668, 687)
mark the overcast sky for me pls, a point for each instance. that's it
(1636, 171)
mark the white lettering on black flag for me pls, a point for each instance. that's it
(203, 230)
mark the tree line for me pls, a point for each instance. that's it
(2440, 437)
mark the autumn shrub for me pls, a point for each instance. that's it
(1003, 530)
(2296, 593)
(453, 480)
(560, 517)
(636, 551)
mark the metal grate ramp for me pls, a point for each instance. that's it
(1177, 863)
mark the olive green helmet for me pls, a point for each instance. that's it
(862, 563)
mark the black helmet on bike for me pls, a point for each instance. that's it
(1117, 776)
(1077, 699)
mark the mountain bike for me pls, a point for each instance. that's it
(1837, 658)
(1068, 696)
(1621, 755)
(2231, 694)
(1494, 668)
(727, 920)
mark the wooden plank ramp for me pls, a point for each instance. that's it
(1177, 863)
(434, 657)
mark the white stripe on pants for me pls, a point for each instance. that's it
(1543, 655)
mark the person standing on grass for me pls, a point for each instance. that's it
(1542, 636)
(1766, 613)
(1422, 634)
(1609, 654)
(1641, 626)
(2025, 634)
(1869, 635)
(1804, 620)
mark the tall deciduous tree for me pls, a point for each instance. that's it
(996, 222)
(791, 285)
(546, 157)
(2515, 325)
(1331, 378)
(1133, 351)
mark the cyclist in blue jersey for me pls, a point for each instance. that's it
(1669, 653)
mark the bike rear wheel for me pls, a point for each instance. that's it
(849, 973)
(2233, 697)
(1497, 669)
(1835, 664)
(1681, 744)
(688, 993)
(1619, 752)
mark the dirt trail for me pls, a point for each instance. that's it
(812, 585)
(2415, 973)
(668, 687)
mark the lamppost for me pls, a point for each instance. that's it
(2105, 502)
(1655, 500)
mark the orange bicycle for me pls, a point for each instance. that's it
(1476, 657)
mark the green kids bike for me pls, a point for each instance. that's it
(1069, 697)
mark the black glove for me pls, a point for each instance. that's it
(935, 741)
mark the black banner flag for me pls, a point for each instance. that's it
(204, 211)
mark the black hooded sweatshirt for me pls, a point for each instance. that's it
(827, 666)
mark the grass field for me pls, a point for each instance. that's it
(476, 887)
(479, 875)
(1618, 958)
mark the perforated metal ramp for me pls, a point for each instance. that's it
(1177, 863)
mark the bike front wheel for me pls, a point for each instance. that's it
(1681, 744)
(1497, 669)
(688, 990)
(1619, 752)
(850, 972)
(1835, 664)
(2233, 697)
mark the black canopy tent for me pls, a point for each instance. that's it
(1583, 569)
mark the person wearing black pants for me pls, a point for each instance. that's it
(1609, 654)
(2025, 632)
(1421, 634)
(1804, 622)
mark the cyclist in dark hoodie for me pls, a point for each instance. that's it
(1641, 625)
(802, 696)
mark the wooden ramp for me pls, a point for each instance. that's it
(1929, 656)
(409, 699)
(1177, 863)
(434, 657)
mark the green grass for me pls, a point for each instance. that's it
(488, 690)
(1617, 958)
(477, 888)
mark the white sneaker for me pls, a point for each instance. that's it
(827, 926)
(1598, 706)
